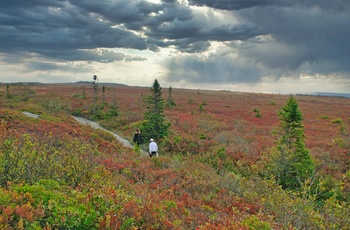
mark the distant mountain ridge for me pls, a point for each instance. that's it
(347, 95)
(78, 82)
(101, 83)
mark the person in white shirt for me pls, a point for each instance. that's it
(153, 148)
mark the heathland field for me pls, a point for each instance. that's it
(219, 167)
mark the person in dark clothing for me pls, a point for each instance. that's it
(137, 137)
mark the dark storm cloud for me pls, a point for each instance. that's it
(286, 37)
(42, 27)
(267, 37)
(199, 30)
(132, 14)
(304, 35)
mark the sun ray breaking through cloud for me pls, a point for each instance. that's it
(251, 45)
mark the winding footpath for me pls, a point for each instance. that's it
(94, 125)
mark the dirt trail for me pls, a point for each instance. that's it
(94, 125)
(31, 114)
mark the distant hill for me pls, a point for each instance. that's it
(100, 83)
(347, 95)
(22, 83)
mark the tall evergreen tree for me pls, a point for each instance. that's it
(170, 101)
(7, 90)
(294, 163)
(154, 125)
(114, 98)
(103, 93)
(95, 87)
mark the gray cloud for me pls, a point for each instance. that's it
(30, 62)
(41, 27)
(267, 38)
(309, 35)
(205, 69)
(304, 37)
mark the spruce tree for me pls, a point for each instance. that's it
(170, 101)
(95, 87)
(294, 163)
(7, 90)
(154, 125)
(103, 94)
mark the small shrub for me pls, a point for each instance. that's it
(324, 117)
(257, 113)
(77, 95)
(161, 162)
(202, 136)
(112, 112)
(55, 105)
(342, 142)
(105, 135)
(334, 214)
(79, 112)
(337, 121)
(209, 124)
(253, 222)
(342, 129)
(27, 159)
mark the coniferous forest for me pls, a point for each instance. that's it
(227, 160)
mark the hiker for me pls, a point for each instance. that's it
(137, 137)
(153, 148)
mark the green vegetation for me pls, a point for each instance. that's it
(154, 119)
(95, 87)
(28, 160)
(7, 91)
(257, 113)
(293, 163)
(170, 102)
(103, 94)
(337, 121)
(324, 117)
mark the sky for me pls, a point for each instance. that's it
(268, 46)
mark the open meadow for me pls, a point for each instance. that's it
(213, 172)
